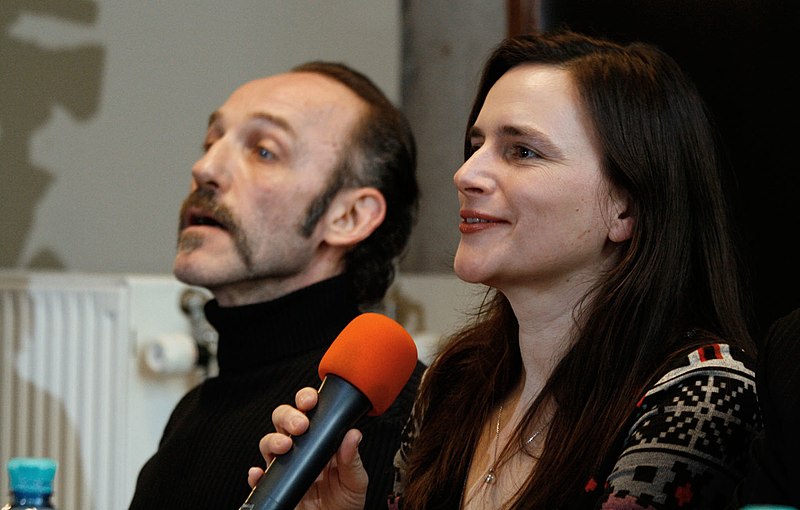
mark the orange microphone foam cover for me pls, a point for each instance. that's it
(376, 355)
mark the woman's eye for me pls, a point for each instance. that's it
(525, 153)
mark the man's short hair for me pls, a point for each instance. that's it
(382, 155)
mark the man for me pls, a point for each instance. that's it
(299, 207)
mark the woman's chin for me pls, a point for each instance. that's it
(468, 273)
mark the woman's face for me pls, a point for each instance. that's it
(536, 212)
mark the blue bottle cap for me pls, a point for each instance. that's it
(32, 474)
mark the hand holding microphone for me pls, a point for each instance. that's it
(342, 484)
(363, 372)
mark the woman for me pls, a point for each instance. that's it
(611, 364)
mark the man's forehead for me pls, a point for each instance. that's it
(290, 97)
(310, 89)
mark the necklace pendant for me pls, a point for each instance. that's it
(489, 478)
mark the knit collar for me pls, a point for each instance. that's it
(256, 335)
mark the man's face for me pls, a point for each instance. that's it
(270, 150)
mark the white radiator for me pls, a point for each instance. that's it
(72, 385)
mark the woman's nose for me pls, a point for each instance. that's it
(474, 176)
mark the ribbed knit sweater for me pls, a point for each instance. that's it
(266, 352)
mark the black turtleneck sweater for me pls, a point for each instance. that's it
(266, 352)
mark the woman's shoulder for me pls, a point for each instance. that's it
(710, 364)
(691, 430)
(710, 355)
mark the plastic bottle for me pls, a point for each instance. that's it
(31, 483)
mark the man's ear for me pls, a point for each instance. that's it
(353, 215)
(621, 223)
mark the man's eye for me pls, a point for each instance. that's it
(265, 153)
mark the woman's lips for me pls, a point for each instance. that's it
(473, 221)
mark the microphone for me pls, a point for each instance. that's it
(362, 373)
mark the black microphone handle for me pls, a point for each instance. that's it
(289, 476)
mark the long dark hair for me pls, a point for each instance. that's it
(678, 272)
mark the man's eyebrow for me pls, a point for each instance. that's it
(212, 119)
(263, 116)
(272, 119)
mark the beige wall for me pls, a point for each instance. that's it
(103, 106)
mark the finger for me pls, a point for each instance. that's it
(289, 421)
(274, 444)
(352, 475)
(306, 399)
(348, 451)
(254, 474)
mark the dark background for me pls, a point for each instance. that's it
(742, 56)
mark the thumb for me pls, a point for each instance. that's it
(353, 477)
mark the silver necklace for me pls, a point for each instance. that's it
(490, 476)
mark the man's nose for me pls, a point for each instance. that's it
(212, 169)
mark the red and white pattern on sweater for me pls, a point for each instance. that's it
(687, 445)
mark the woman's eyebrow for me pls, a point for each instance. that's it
(541, 141)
